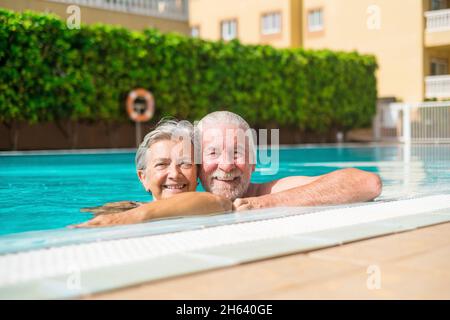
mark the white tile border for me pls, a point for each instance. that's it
(105, 265)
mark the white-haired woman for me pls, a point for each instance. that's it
(166, 168)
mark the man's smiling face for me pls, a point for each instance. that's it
(225, 169)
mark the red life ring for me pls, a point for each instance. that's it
(140, 112)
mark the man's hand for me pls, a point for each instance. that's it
(250, 203)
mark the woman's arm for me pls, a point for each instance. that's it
(183, 204)
(112, 207)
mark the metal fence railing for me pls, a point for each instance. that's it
(425, 122)
(386, 125)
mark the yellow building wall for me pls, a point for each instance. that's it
(440, 38)
(93, 15)
(296, 23)
(207, 15)
(397, 44)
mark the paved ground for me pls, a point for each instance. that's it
(409, 265)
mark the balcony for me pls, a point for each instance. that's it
(437, 86)
(438, 20)
(437, 32)
(167, 9)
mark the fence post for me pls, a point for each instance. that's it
(376, 123)
(406, 133)
(406, 123)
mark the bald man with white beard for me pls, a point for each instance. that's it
(226, 170)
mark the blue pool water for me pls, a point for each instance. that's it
(46, 191)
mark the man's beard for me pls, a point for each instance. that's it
(230, 191)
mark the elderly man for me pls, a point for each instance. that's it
(226, 171)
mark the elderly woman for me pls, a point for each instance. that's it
(165, 166)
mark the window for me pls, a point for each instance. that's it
(315, 20)
(195, 32)
(438, 67)
(228, 29)
(271, 23)
(438, 4)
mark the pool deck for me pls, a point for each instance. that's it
(412, 265)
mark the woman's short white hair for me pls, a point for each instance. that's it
(166, 129)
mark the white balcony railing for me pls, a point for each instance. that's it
(437, 86)
(170, 9)
(438, 20)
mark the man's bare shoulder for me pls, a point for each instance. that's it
(278, 185)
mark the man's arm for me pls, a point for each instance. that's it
(338, 187)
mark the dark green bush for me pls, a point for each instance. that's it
(51, 73)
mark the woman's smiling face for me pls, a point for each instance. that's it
(170, 169)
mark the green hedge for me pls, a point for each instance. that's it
(48, 73)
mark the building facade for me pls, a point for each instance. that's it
(274, 22)
(410, 38)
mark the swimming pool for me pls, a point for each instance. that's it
(46, 191)
(42, 193)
